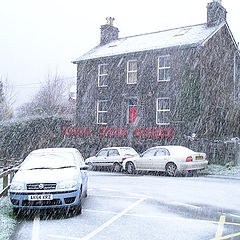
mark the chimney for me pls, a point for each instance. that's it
(108, 31)
(216, 13)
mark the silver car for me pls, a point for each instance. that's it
(112, 157)
(169, 159)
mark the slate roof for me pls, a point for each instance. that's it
(189, 36)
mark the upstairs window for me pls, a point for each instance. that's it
(163, 111)
(103, 75)
(132, 72)
(102, 112)
(164, 68)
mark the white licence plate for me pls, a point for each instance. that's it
(40, 197)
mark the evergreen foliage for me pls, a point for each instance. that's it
(190, 97)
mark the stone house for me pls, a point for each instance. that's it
(159, 85)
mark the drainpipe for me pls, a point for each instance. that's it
(234, 73)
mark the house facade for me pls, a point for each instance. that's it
(156, 87)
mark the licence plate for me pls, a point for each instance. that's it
(40, 197)
(199, 157)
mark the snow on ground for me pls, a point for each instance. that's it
(8, 221)
(214, 169)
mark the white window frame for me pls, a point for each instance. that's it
(164, 68)
(101, 74)
(159, 111)
(100, 111)
(131, 71)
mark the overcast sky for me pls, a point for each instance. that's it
(39, 37)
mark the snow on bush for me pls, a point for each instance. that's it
(8, 221)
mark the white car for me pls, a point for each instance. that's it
(50, 178)
(168, 159)
(111, 157)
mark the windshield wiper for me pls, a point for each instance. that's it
(65, 167)
(50, 167)
(39, 168)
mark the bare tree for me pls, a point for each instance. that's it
(6, 100)
(50, 99)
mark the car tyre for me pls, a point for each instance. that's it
(17, 212)
(192, 173)
(130, 168)
(78, 208)
(116, 167)
(171, 170)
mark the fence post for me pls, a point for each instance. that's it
(237, 153)
(11, 173)
(5, 182)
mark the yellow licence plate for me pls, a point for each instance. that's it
(199, 157)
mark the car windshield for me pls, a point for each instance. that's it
(49, 161)
(128, 151)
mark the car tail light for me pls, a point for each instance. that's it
(189, 159)
(206, 157)
(124, 159)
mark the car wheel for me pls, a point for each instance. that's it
(85, 195)
(130, 168)
(171, 169)
(116, 167)
(192, 173)
(90, 167)
(78, 208)
(17, 212)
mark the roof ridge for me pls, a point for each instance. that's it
(142, 34)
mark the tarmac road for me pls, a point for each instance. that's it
(127, 207)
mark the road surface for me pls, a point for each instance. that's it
(140, 207)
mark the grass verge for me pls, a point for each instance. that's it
(213, 169)
(8, 220)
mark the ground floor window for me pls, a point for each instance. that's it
(162, 111)
(132, 110)
(102, 111)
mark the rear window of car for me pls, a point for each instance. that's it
(126, 151)
(180, 150)
(113, 152)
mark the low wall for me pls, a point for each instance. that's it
(19, 138)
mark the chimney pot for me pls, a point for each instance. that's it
(216, 13)
(108, 31)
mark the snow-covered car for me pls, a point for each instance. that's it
(169, 159)
(50, 178)
(112, 157)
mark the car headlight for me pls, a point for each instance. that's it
(17, 186)
(67, 184)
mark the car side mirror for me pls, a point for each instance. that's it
(84, 167)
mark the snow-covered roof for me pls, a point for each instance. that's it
(178, 37)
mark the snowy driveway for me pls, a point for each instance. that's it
(120, 206)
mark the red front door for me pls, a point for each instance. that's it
(132, 114)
